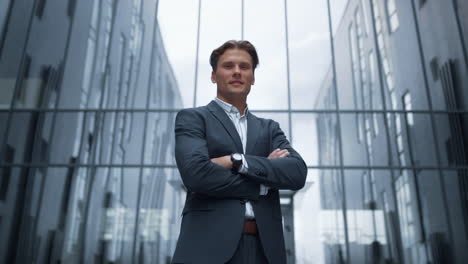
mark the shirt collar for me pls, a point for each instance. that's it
(229, 108)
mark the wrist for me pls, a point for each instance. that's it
(236, 161)
(228, 162)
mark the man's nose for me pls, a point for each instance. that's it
(237, 69)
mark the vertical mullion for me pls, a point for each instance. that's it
(145, 126)
(242, 19)
(338, 128)
(195, 81)
(288, 70)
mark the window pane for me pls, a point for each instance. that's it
(4, 7)
(370, 151)
(6, 93)
(308, 50)
(364, 224)
(325, 197)
(305, 140)
(215, 20)
(451, 140)
(327, 152)
(264, 26)
(181, 48)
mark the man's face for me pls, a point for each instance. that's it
(234, 74)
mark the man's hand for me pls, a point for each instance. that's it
(278, 153)
(224, 161)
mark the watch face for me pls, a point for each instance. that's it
(237, 156)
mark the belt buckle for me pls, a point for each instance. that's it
(250, 227)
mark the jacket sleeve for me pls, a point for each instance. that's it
(199, 174)
(282, 173)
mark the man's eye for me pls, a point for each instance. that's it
(228, 66)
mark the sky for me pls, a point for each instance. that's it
(265, 27)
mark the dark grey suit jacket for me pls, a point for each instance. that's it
(214, 209)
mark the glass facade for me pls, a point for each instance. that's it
(89, 92)
(88, 103)
(399, 181)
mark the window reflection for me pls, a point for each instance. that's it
(360, 224)
(105, 188)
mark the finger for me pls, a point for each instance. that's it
(279, 151)
(274, 153)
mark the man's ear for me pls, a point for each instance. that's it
(213, 77)
(253, 80)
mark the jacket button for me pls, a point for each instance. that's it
(243, 201)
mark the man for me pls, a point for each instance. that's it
(233, 164)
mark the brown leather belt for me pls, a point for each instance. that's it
(250, 227)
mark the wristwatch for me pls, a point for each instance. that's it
(236, 159)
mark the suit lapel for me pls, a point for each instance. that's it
(253, 127)
(222, 117)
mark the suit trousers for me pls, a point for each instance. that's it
(249, 251)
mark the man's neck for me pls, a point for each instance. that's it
(240, 104)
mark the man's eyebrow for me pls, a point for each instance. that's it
(240, 63)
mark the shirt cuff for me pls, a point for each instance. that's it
(263, 189)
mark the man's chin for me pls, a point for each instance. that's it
(238, 93)
(236, 87)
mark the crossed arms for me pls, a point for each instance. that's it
(282, 169)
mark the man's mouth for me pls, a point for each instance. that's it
(236, 82)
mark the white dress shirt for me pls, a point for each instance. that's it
(240, 123)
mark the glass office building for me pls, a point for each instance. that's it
(398, 193)
(92, 180)
(377, 109)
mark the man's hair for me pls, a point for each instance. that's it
(234, 44)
